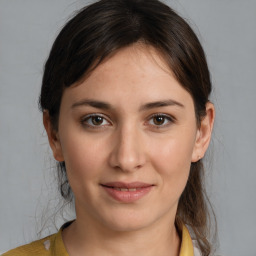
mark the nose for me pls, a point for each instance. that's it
(128, 153)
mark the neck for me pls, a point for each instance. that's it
(84, 238)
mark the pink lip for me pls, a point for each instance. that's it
(127, 192)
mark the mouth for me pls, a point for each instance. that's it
(125, 189)
(127, 192)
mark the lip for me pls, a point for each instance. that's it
(127, 192)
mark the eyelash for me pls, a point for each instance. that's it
(167, 118)
(85, 119)
(167, 121)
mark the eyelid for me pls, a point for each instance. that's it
(170, 119)
(88, 116)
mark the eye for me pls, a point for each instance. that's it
(160, 120)
(95, 120)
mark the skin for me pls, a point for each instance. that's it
(129, 145)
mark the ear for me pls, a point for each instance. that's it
(53, 137)
(204, 133)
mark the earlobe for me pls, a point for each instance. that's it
(53, 137)
(204, 132)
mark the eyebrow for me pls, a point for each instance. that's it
(162, 103)
(107, 106)
(92, 103)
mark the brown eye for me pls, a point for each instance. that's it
(159, 120)
(97, 120)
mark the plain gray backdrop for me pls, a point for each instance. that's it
(227, 30)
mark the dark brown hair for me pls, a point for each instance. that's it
(101, 29)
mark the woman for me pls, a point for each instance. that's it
(125, 102)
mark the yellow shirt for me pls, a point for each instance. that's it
(53, 246)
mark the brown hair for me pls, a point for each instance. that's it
(101, 29)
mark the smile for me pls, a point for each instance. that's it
(126, 189)
(127, 192)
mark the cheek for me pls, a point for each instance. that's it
(172, 160)
(83, 159)
(173, 153)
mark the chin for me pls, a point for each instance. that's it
(128, 221)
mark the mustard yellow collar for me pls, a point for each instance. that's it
(186, 248)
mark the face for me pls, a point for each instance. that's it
(128, 135)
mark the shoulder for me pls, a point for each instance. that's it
(39, 248)
(49, 246)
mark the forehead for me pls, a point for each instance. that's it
(138, 53)
(133, 74)
(139, 57)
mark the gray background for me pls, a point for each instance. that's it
(227, 30)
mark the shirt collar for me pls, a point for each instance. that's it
(186, 248)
